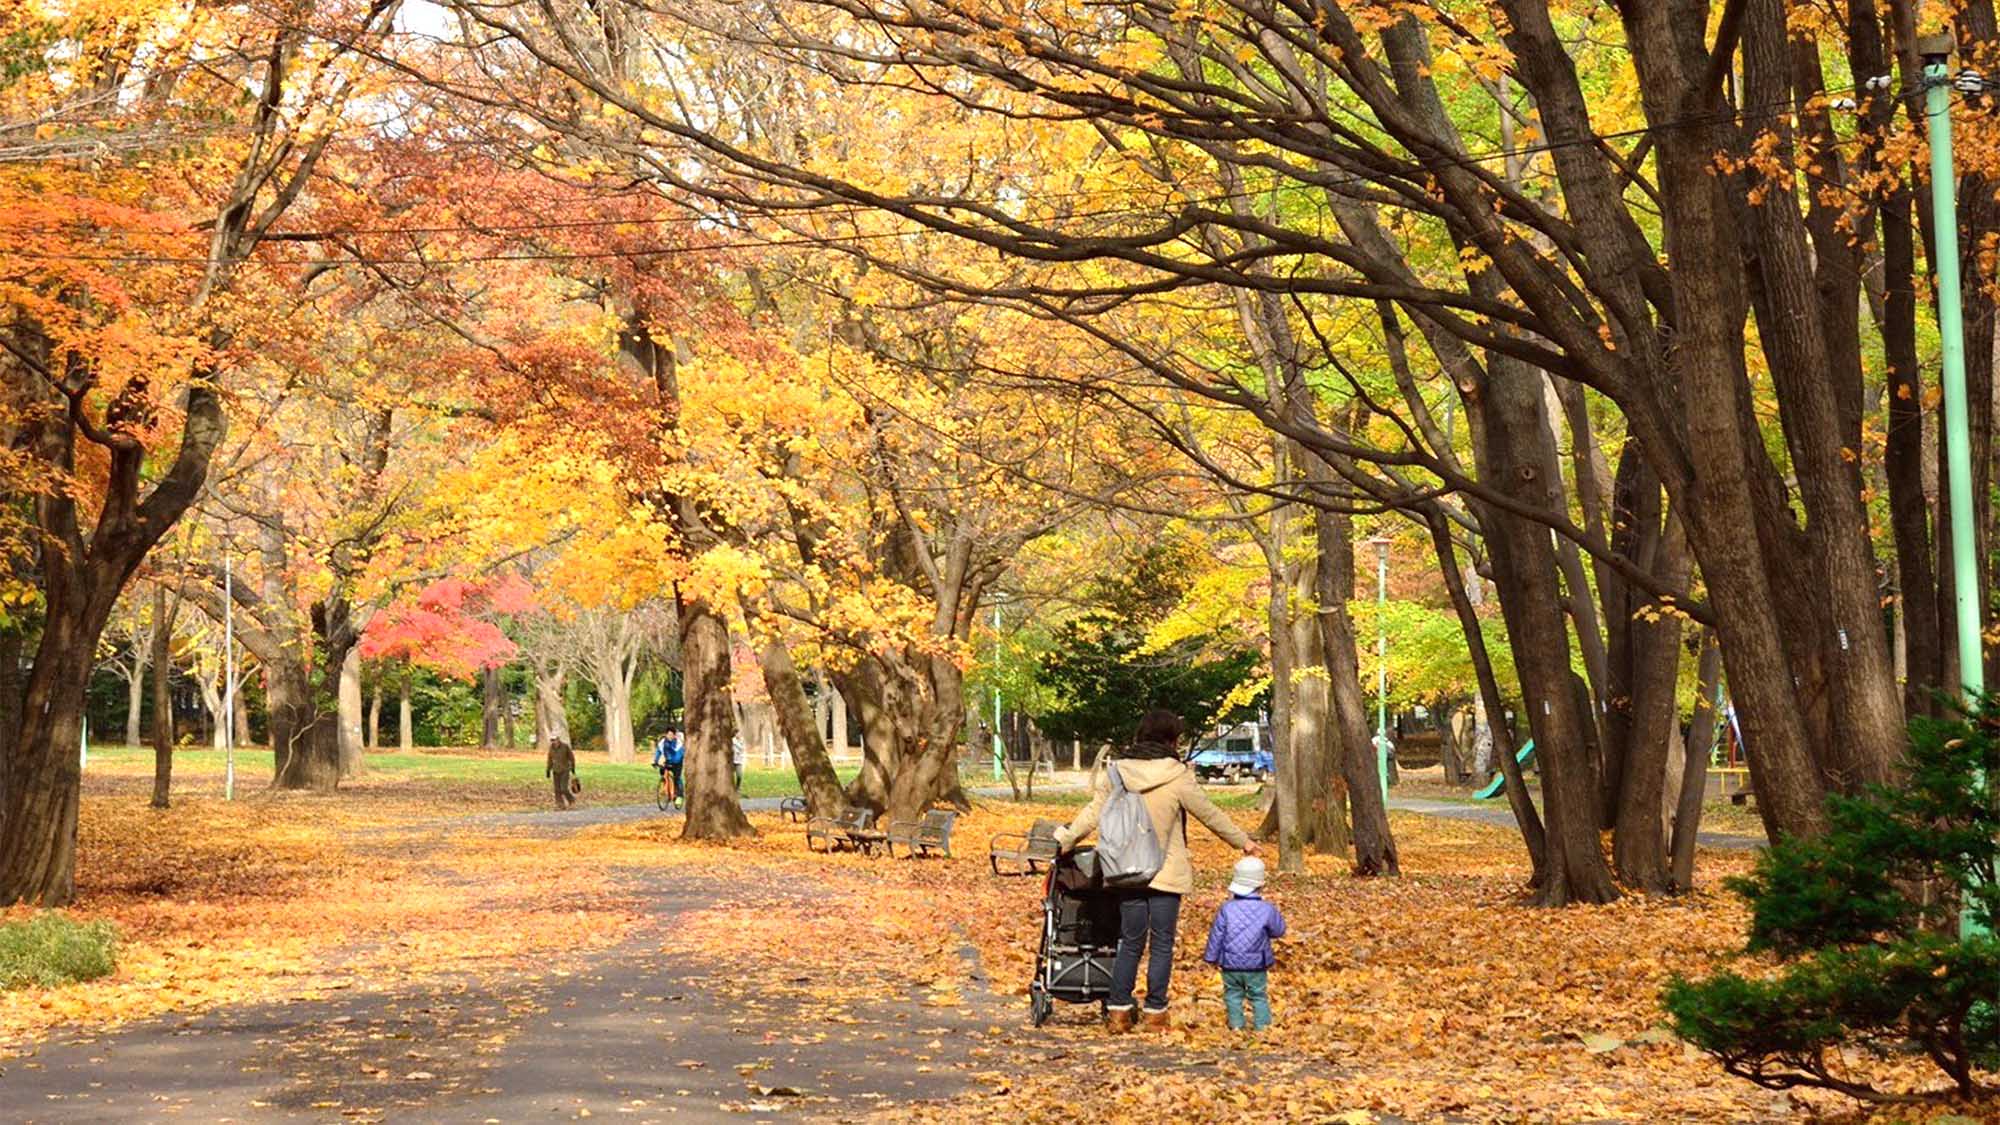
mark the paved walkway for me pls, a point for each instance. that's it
(639, 1032)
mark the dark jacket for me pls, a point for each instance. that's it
(561, 759)
(1240, 940)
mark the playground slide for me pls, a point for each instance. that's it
(1499, 782)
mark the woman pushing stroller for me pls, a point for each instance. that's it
(1152, 768)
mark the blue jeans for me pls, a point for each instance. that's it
(1144, 914)
(1251, 988)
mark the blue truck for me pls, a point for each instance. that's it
(1234, 755)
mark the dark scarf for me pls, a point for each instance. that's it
(1153, 750)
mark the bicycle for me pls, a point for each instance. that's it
(667, 797)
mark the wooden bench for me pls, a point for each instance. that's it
(922, 837)
(853, 828)
(1033, 850)
(792, 809)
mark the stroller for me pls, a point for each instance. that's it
(1079, 936)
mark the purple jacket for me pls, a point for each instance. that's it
(1240, 940)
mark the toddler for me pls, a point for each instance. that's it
(1240, 945)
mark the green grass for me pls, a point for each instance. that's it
(634, 782)
(49, 950)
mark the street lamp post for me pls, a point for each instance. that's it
(1935, 51)
(1381, 544)
(999, 770)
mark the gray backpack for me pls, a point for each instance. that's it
(1128, 851)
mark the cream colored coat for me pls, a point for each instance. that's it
(1169, 788)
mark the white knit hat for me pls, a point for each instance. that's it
(1248, 876)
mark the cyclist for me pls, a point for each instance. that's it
(668, 755)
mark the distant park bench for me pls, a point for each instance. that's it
(922, 837)
(792, 809)
(853, 828)
(1031, 850)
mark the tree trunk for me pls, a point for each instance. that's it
(1694, 770)
(350, 714)
(1507, 415)
(489, 708)
(1284, 687)
(817, 781)
(11, 644)
(135, 693)
(305, 724)
(371, 729)
(615, 689)
(163, 700)
(713, 810)
(507, 716)
(551, 717)
(38, 830)
(876, 705)
(211, 701)
(1323, 799)
(406, 726)
(839, 704)
(1374, 843)
(1639, 848)
(1703, 382)
(926, 772)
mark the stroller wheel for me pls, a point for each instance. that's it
(1039, 1007)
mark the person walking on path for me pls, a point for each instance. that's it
(669, 755)
(562, 767)
(1149, 915)
(1239, 944)
(738, 755)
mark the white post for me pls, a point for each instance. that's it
(228, 679)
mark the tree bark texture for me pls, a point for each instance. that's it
(713, 810)
(489, 708)
(163, 699)
(817, 780)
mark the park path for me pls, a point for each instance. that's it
(640, 1032)
(637, 1032)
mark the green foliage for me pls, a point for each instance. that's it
(1102, 674)
(1865, 921)
(446, 711)
(49, 949)
(1429, 661)
(656, 699)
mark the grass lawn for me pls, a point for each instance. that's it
(602, 780)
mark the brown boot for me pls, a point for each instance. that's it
(1155, 1020)
(1118, 1021)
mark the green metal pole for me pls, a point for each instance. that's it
(1382, 664)
(999, 770)
(1936, 51)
